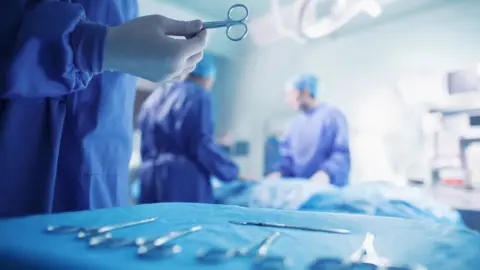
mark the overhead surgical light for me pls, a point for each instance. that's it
(301, 20)
(280, 22)
(334, 15)
(372, 7)
(279, 26)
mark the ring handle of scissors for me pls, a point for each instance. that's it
(240, 37)
(230, 21)
(232, 8)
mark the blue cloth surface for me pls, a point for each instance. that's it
(66, 126)
(374, 198)
(317, 140)
(24, 244)
(178, 151)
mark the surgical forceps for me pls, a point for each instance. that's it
(232, 23)
(365, 258)
(286, 226)
(259, 252)
(91, 232)
(160, 248)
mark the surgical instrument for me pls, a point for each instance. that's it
(262, 261)
(364, 258)
(160, 247)
(106, 240)
(89, 232)
(232, 23)
(286, 226)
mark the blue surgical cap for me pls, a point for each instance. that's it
(205, 68)
(306, 82)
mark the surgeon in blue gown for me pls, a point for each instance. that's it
(66, 101)
(316, 144)
(179, 155)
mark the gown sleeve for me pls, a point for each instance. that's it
(337, 166)
(285, 165)
(209, 153)
(55, 50)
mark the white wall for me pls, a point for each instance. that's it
(360, 72)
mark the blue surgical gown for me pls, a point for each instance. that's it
(317, 140)
(178, 151)
(65, 127)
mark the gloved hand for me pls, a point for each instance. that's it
(248, 179)
(274, 175)
(320, 177)
(143, 48)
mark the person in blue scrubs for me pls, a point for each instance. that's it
(66, 101)
(316, 144)
(179, 155)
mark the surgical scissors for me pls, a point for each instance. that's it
(106, 240)
(365, 258)
(83, 232)
(160, 246)
(232, 23)
(259, 252)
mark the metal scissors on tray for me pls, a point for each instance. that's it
(107, 240)
(286, 226)
(160, 247)
(237, 29)
(365, 258)
(91, 232)
(259, 252)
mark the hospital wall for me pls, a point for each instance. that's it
(222, 91)
(360, 72)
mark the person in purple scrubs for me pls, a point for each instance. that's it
(316, 144)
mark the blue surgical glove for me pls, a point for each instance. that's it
(143, 48)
